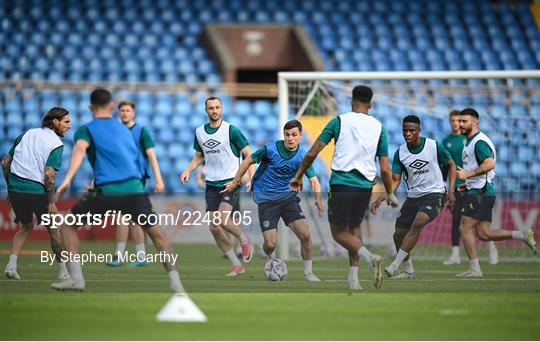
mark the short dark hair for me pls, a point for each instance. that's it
(362, 93)
(126, 103)
(412, 119)
(453, 112)
(292, 124)
(470, 111)
(100, 97)
(210, 99)
(53, 113)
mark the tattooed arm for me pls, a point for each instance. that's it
(50, 178)
(6, 165)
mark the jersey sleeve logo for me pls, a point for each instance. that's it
(211, 144)
(418, 164)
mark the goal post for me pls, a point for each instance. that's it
(509, 105)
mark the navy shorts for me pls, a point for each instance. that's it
(347, 205)
(214, 198)
(137, 204)
(430, 204)
(25, 206)
(270, 212)
(458, 206)
(478, 207)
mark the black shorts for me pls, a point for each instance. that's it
(479, 207)
(347, 205)
(456, 211)
(430, 204)
(270, 212)
(25, 206)
(214, 198)
(137, 205)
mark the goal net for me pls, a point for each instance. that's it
(509, 106)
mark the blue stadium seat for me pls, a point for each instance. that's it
(166, 135)
(243, 107)
(519, 170)
(263, 107)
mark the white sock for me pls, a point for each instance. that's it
(455, 251)
(401, 255)
(491, 245)
(353, 273)
(518, 235)
(232, 257)
(407, 264)
(120, 248)
(243, 238)
(271, 255)
(365, 254)
(392, 249)
(308, 266)
(174, 281)
(76, 271)
(62, 267)
(141, 252)
(474, 264)
(12, 261)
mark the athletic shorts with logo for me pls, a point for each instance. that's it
(137, 205)
(288, 209)
(213, 198)
(347, 205)
(25, 206)
(458, 206)
(479, 207)
(430, 204)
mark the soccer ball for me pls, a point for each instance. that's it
(275, 270)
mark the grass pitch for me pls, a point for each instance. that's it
(121, 303)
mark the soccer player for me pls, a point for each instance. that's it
(219, 144)
(359, 140)
(118, 186)
(146, 144)
(419, 160)
(454, 143)
(278, 164)
(30, 173)
(479, 159)
(236, 243)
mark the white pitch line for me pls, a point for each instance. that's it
(453, 312)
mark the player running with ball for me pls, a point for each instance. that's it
(479, 158)
(419, 160)
(278, 163)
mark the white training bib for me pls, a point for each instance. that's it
(470, 163)
(422, 171)
(220, 163)
(357, 144)
(32, 152)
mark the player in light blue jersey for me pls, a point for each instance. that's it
(270, 185)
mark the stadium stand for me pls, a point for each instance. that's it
(160, 42)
